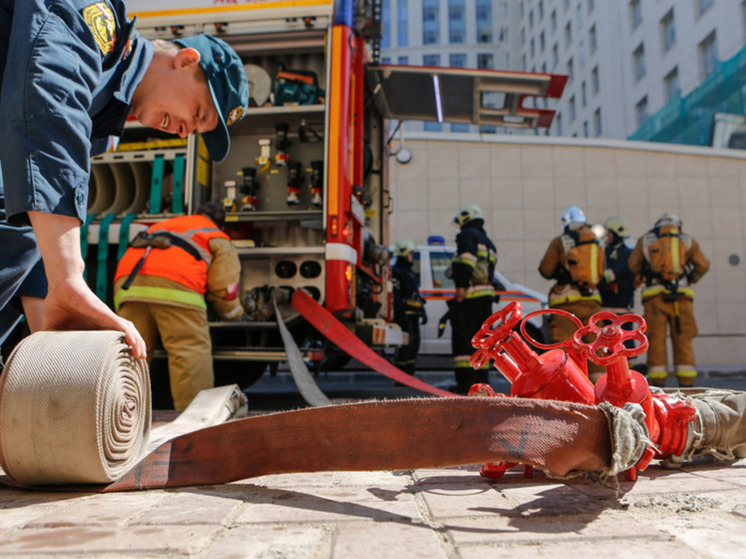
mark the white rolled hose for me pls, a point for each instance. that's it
(74, 408)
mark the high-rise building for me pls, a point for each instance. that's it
(626, 59)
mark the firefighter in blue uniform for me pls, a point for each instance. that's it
(409, 308)
(618, 283)
(72, 71)
(473, 268)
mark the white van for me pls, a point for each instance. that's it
(432, 263)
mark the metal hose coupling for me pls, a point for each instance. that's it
(719, 428)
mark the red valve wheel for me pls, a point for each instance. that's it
(560, 312)
(497, 327)
(609, 343)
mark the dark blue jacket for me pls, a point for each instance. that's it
(69, 69)
(618, 291)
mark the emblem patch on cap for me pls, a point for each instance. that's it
(234, 115)
(100, 20)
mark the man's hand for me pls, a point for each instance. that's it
(70, 304)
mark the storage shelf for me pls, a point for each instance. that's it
(293, 215)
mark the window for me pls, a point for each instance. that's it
(440, 263)
(430, 22)
(585, 128)
(385, 60)
(532, 48)
(570, 71)
(485, 61)
(573, 110)
(403, 60)
(541, 10)
(635, 14)
(671, 84)
(641, 111)
(579, 16)
(568, 35)
(385, 25)
(597, 129)
(457, 60)
(704, 5)
(708, 55)
(558, 121)
(581, 54)
(542, 42)
(484, 21)
(595, 83)
(638, 60)
(555, 56)
(591, 5)
(553, 21)
(668, 31)
(456, 22)
(530, 19)
(592, 39)
(583, 94)
(402, 19)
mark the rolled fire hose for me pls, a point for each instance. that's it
(74, 409)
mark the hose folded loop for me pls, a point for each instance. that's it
(74, 408)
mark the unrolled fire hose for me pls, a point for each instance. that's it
(75, 412)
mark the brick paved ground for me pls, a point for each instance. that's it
(444, 513)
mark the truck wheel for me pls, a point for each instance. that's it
(242, 373)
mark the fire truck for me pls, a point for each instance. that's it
(305, 185)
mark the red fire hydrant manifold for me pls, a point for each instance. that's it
(560, 373)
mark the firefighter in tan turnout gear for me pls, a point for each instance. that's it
(670, 263)
(575, 259)
(161, 284)
(473, 268)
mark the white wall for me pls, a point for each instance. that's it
(523, 185)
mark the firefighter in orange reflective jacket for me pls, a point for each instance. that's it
(162, 287)
(577, 278)
(664, 257)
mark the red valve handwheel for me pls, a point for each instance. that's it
(561, 345)
(503, 322)
(608, 345)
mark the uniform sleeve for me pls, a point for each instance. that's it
(636, 258)
(46, 127)
(698, 261)
(466, 258)
(550, 264)
(223, 278)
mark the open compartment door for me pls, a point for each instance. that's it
(483, 97)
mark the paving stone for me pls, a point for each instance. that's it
(551, 499)
(446, 501)
(535, 529)
(19, 507)
(190, 506)
(312, 504)
(182, 540)
(267, 541)
(111, 508)
(387, 540)
(608, 549)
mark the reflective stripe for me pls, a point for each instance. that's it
(594, 264)
(159, 294)
(462, 363)
(654, 290)
(467, 259)
(657, 374)
(473, 293)
(553, 302)
(675, 253)
(689, 373)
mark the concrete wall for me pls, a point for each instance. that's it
(524, 184)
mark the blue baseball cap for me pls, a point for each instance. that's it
(228, 86)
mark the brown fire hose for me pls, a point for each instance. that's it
(36, 391)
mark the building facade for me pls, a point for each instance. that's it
(625, 59)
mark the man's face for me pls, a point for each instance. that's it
(179, 100)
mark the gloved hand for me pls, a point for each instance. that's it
(423, 317)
